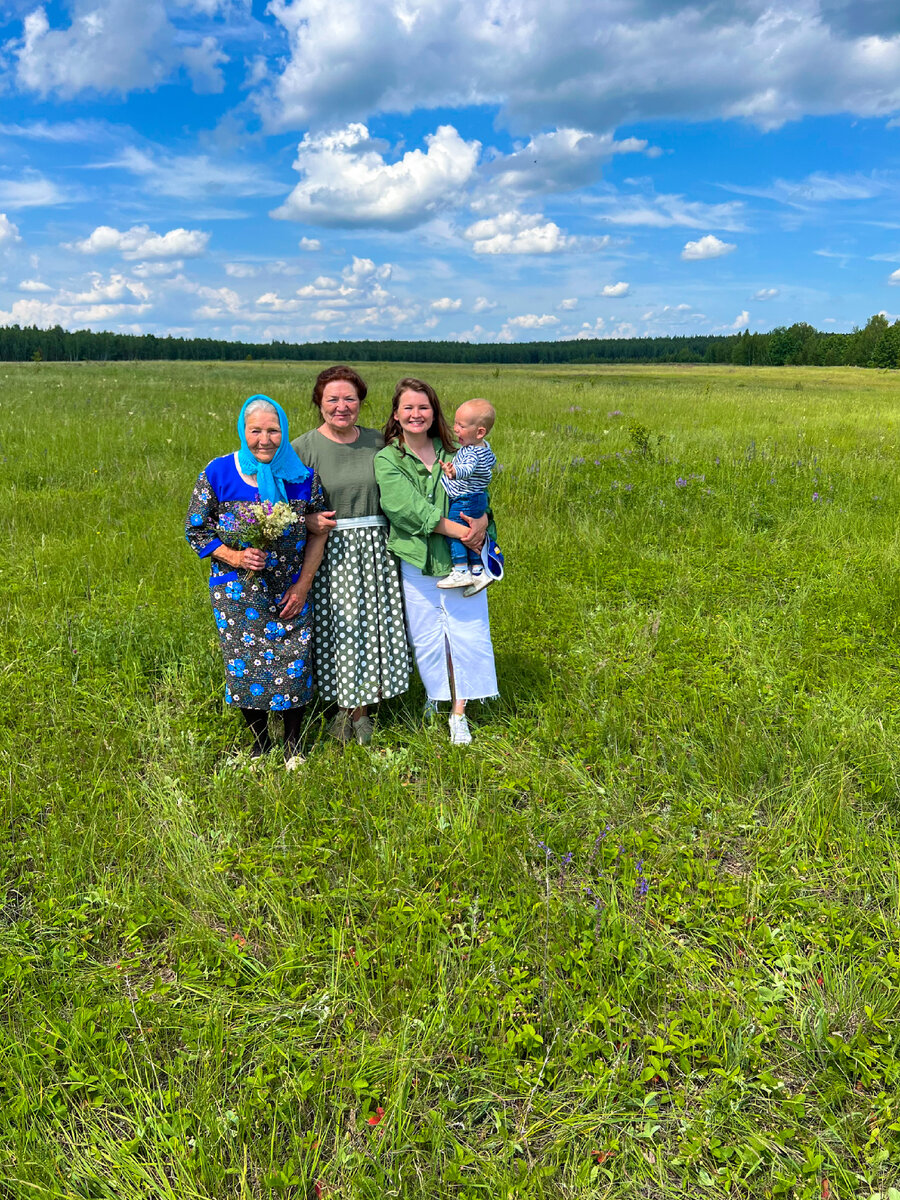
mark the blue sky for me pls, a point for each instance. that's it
(457, 169)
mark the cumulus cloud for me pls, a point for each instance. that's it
(517, 233)
(112, 46)
(483, 304)
(594, 68)
(34, 285)
(346, 180)
(706, 247)
(8, 231)
(741, 321)
(616, 289)
(141, 242)
(445, 304)
(306, 243)
(894, 277)
(568, 305)
(532, 321)
(560, 161)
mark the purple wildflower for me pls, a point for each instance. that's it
(679, 482)
(815, 496)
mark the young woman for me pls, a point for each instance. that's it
(450, 633)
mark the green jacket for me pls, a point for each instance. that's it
(413, 499)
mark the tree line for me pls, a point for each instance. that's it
(875, 345)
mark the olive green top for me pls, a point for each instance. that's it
(346, 470)
(413, 500)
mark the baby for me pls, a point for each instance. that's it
(466, 479)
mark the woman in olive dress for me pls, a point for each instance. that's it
(260, 598)
(361, 653)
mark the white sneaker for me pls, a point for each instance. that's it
(458, 577)
(459, 730)
(480, 580)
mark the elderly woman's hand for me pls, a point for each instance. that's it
(250, 559)
(320, 522)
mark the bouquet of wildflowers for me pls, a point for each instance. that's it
(260, 524)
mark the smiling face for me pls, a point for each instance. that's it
(340, 405)
(414, 413)
(467, 426)
(263, 433)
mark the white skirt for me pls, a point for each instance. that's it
(442, 623)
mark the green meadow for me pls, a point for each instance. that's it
(640, 940)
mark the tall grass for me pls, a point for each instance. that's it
(640, 940)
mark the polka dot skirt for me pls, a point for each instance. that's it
(361, 652)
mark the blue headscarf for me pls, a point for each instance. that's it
(285, 467)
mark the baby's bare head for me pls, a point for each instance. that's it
(478, 414)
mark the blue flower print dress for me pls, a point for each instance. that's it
(267, 661)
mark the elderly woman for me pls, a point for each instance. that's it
(260, 597)
(450, 632)
(360, 640)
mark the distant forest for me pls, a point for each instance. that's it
(875, 345)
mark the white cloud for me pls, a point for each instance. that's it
(616, 289)
(581, 67)
(706, 247)
(445, 304)
(483, 304)
(741, 321)
(194, 177)
(765, 294)
(668, 211)
(306, 243)
(819, 188)
(8, 231)
(204, 65)
(34, 285)
(533, 321)
(894, 277)
(568, 305)
(347, 182)
(243, 270)
(363, 269)
(562, 160)
(153, 270)
(32, 191)
(113, 46)
(517, 233)
(140, 242)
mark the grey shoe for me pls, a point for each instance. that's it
(363, 729)
(341, 727)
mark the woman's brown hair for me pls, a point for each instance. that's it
(439, 428)
(329, 375)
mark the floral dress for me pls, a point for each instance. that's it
(268, 662)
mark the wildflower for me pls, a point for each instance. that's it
(679, 482)
(642, 887)
(815, 496)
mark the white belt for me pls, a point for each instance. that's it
(360, 522)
